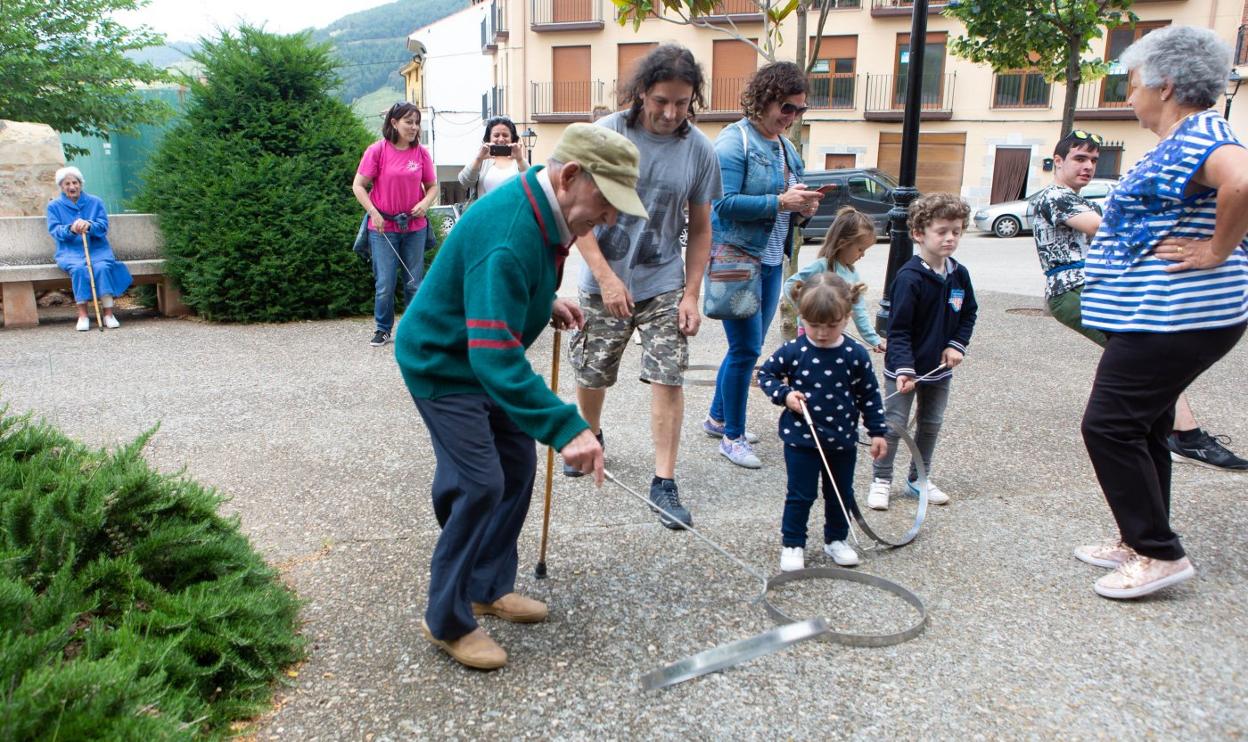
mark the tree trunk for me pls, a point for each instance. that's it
(1072, 88)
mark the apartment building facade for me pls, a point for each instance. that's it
(984, 135)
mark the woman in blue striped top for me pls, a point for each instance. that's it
(1167, 281)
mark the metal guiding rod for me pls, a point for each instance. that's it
(758, 575)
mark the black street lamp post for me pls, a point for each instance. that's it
(529, 137)
(1232, 87)
(901, 247)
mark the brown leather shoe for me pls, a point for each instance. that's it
(475, 649)
(513, 607)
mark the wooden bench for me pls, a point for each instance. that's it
(26, 265)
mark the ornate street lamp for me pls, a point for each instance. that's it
(1232, 87)
(529, 137)
(901, 247)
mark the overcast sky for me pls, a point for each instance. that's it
(187, 20)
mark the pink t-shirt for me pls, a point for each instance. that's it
(399, 177)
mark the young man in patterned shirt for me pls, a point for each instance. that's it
(1064, 225)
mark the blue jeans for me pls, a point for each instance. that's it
(387, 270)
(805, 472)
(745, 345)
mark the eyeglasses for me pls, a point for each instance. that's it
(1096, 139)
(788, 109)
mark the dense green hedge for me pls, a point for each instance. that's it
(129, 609)
(253, 186)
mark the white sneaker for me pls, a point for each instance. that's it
(934, 495)
(110, 321)
(84, 324)
(877, 496)
(841, 553)
(739, 452)
(792, 558)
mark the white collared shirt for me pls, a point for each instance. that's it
(565, 234)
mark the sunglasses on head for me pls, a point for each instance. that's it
(788, 109)
(1080, 134)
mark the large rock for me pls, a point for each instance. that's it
(29, 157)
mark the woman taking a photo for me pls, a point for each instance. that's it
(762, 176)
(493, 165)
(1167, 282)
(396, 184)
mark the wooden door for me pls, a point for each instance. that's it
(570, 92)
(1009, 174)
(941, 160)
(832, 162)
(571, 11)
(627, 56)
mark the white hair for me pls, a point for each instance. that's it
(1193, 59)
(65, 172)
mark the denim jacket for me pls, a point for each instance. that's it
(752, 183)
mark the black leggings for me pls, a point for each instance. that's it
(1129, 415)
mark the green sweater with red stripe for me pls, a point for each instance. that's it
(486, 299)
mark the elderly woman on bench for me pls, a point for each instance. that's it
(74, 214)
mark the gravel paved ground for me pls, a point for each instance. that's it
(311, 433)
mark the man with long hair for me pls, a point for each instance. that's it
(636, 278)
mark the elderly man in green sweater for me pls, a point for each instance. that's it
(461, 348)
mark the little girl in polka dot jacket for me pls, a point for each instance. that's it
(832, 376)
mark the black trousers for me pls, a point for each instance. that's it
(1129, 415)
(481, 492)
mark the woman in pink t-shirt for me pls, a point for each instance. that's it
(396, 184)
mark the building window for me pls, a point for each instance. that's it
(933, 70)
(732, 65)
(832, 78)
(1114, 86)
(1110, 163)
(1020, 89)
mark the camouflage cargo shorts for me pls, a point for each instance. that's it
(596, 351)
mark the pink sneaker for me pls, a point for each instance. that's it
(1110, 554)
(1143, 575)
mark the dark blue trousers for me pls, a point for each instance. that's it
(805, 472)
(481, 492)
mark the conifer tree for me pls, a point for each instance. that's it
(253, 185)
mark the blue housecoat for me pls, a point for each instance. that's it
(111, 277)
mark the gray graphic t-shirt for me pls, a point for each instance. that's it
(646, 254)
(1057, 244)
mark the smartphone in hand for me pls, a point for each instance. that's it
(500, 150)
(826, 189)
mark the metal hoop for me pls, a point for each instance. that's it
(849, 575)
(919, 516)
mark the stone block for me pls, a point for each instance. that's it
(30, 155)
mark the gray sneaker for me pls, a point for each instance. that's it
(664, 495)
(572, 471)
(739, 452)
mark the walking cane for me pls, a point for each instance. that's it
(91, 277)
(540, 570)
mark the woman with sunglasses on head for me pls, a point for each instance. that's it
(396, 183)
(1166, 280)
(763, 192)
(493, 166)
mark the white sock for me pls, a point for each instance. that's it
(106, 301)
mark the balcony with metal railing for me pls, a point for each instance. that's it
(723, 99)
(565, 102)
(903, 7)
(1104, 100)
(885, 97)
(493, 103)
(493, 27)
(829, 91)
(738, 11)
(567, 15)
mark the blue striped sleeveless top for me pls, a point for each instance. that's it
(1127, 287)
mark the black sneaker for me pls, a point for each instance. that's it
(379, 338)
(1205, 450)
(572, 471)
(664, 495)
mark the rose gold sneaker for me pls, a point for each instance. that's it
(1110, 554)
(513, 607)
(475, 649)
(1142, 575)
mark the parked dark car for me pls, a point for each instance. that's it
(869, 189)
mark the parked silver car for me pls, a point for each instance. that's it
(1010, 218)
